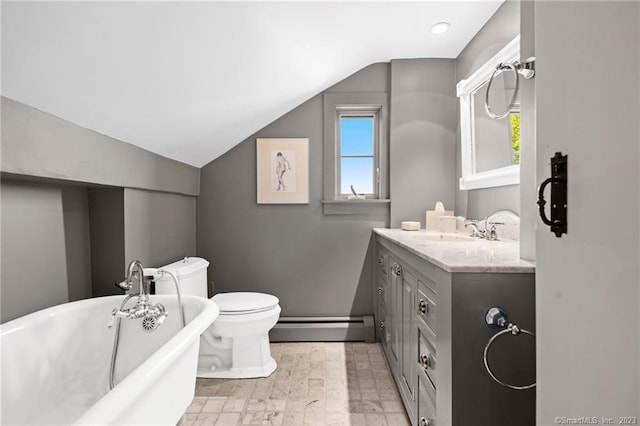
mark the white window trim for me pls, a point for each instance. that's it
(471, 179)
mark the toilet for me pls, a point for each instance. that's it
(236, 345)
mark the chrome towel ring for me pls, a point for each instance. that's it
(496, 317)
(526, 69)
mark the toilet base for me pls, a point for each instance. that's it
(238, 357)
(238, 373)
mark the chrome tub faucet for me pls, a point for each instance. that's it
(152, 314)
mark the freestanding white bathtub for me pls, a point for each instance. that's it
(55, 364)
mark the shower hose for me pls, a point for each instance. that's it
(116, 337)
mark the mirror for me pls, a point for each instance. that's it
(490, 147)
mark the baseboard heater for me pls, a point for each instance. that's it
(323, 329)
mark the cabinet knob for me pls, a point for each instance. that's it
(397, 269)
(379, 290)
(424, 360)
(381, 261)
(381, 324)
(426, 422)
(422, 307)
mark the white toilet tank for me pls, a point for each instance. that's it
(192, 277)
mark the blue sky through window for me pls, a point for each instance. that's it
(357, 172)
(356, 136)
(356, 150)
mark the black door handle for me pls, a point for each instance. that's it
(558, 181)
(542, 202)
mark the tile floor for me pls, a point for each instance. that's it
(315, 384)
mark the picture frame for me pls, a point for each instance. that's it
(282, 166)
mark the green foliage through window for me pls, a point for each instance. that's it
(515, 136)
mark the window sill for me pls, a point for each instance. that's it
(371, 207)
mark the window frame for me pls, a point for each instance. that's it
(357, 111)
(333, 202)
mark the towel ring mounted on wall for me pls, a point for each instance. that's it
(497, 317)
(526, 69)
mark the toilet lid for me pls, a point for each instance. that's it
(240, 302)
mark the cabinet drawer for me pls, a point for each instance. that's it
(427, 305)
(426, 404)
(426, 357)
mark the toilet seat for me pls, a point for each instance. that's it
(242, 303)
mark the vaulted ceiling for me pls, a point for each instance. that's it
(190, 80)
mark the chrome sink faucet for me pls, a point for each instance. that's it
(152, 314)
(475, 231)
(489, 232)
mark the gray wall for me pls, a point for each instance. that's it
(155, 228)
(503, 26)
(317, 265)
(75, 212)
(70, 166)
(423, 137)
(106, 213)
(34, 264)
(159, 227)
(35, 143)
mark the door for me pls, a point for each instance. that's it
(588, 281)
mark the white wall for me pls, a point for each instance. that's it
(587, 92)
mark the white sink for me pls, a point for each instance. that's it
(458, 238)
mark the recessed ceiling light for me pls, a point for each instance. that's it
(440, 27)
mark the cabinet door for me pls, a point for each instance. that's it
(383, 327)
(426, 405)
(381, 292)
(409, 332)
(396, 310)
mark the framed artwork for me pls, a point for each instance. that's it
(282, 170)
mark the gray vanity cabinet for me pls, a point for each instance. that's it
(395, 309)
(434, 334)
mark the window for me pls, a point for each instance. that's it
(357, 167)
(514, 119)
(355, 153)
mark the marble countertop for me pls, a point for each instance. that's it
(463, 255)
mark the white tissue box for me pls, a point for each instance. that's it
(432, 221)
(447, 224)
